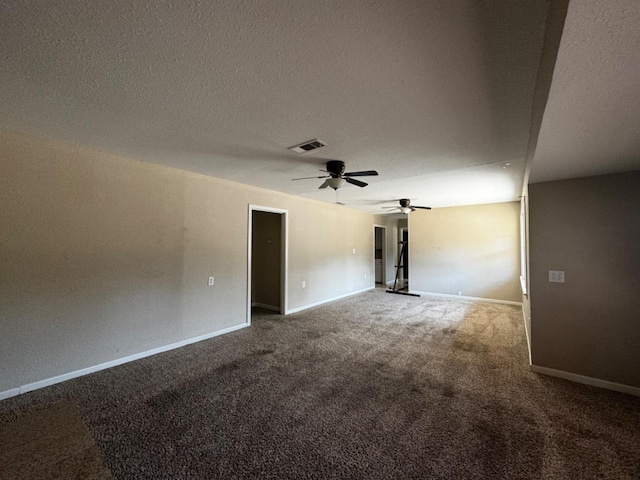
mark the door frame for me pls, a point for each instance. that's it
(284, 254)
(384, 253)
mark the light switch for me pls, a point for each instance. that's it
(556, 276)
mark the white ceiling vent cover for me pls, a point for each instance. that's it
(308, 146)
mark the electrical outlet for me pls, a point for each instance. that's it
(304, 284)
(556, 276)
(211, 281)
(365, 276)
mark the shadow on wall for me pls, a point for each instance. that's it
(485, 274)
(497, 273)
(78, 305)
(473, 250)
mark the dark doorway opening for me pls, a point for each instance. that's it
(267, 253)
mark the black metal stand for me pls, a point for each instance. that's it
(395, 289)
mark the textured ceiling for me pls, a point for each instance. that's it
(434, 95)
(591, 122)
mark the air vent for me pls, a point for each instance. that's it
(308, 146)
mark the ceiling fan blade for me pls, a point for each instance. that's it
(325, 184)
(423, 208)
(363, 173)
(307, 178)
(356, 182)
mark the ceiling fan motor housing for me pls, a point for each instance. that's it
(405, 202)
(335, 167)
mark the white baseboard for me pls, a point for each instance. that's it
(265, 306)
(9, 393)
(524, 319)
(113, 363)
(311, 305)
(462, 297)
(594, 382)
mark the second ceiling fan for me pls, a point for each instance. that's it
(337, 176)
(406, 207)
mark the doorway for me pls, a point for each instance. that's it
(267, 253)
(404, 235)
(401, 281)
(380, 253)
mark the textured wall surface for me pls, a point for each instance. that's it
(590, 121)
(473, 250)
(590, 229)
(104, 257)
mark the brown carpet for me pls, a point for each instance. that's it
(375, 386)
(49, 444)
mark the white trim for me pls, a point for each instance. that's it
(526, 331)
(524, 253)
(284, 260)
(12, 392)
(523, 285)
(265, 306)
(594, 382)
(284, 272)
(311, 305)
(114, 363)
(462, 297)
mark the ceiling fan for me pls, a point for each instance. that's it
(337, 176)
(406, 207)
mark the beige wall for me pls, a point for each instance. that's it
(104, 257)
(590, 229)
(473, 250)
(265, 259)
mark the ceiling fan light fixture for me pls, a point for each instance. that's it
(336, 183)
(336, 176)
(405, 210)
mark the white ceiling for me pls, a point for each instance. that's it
(436, 96)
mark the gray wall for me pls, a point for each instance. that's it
(590, 229)
(473, 250)
(103, 257)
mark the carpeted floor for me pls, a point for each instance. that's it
(375, 386)
(50, 443)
